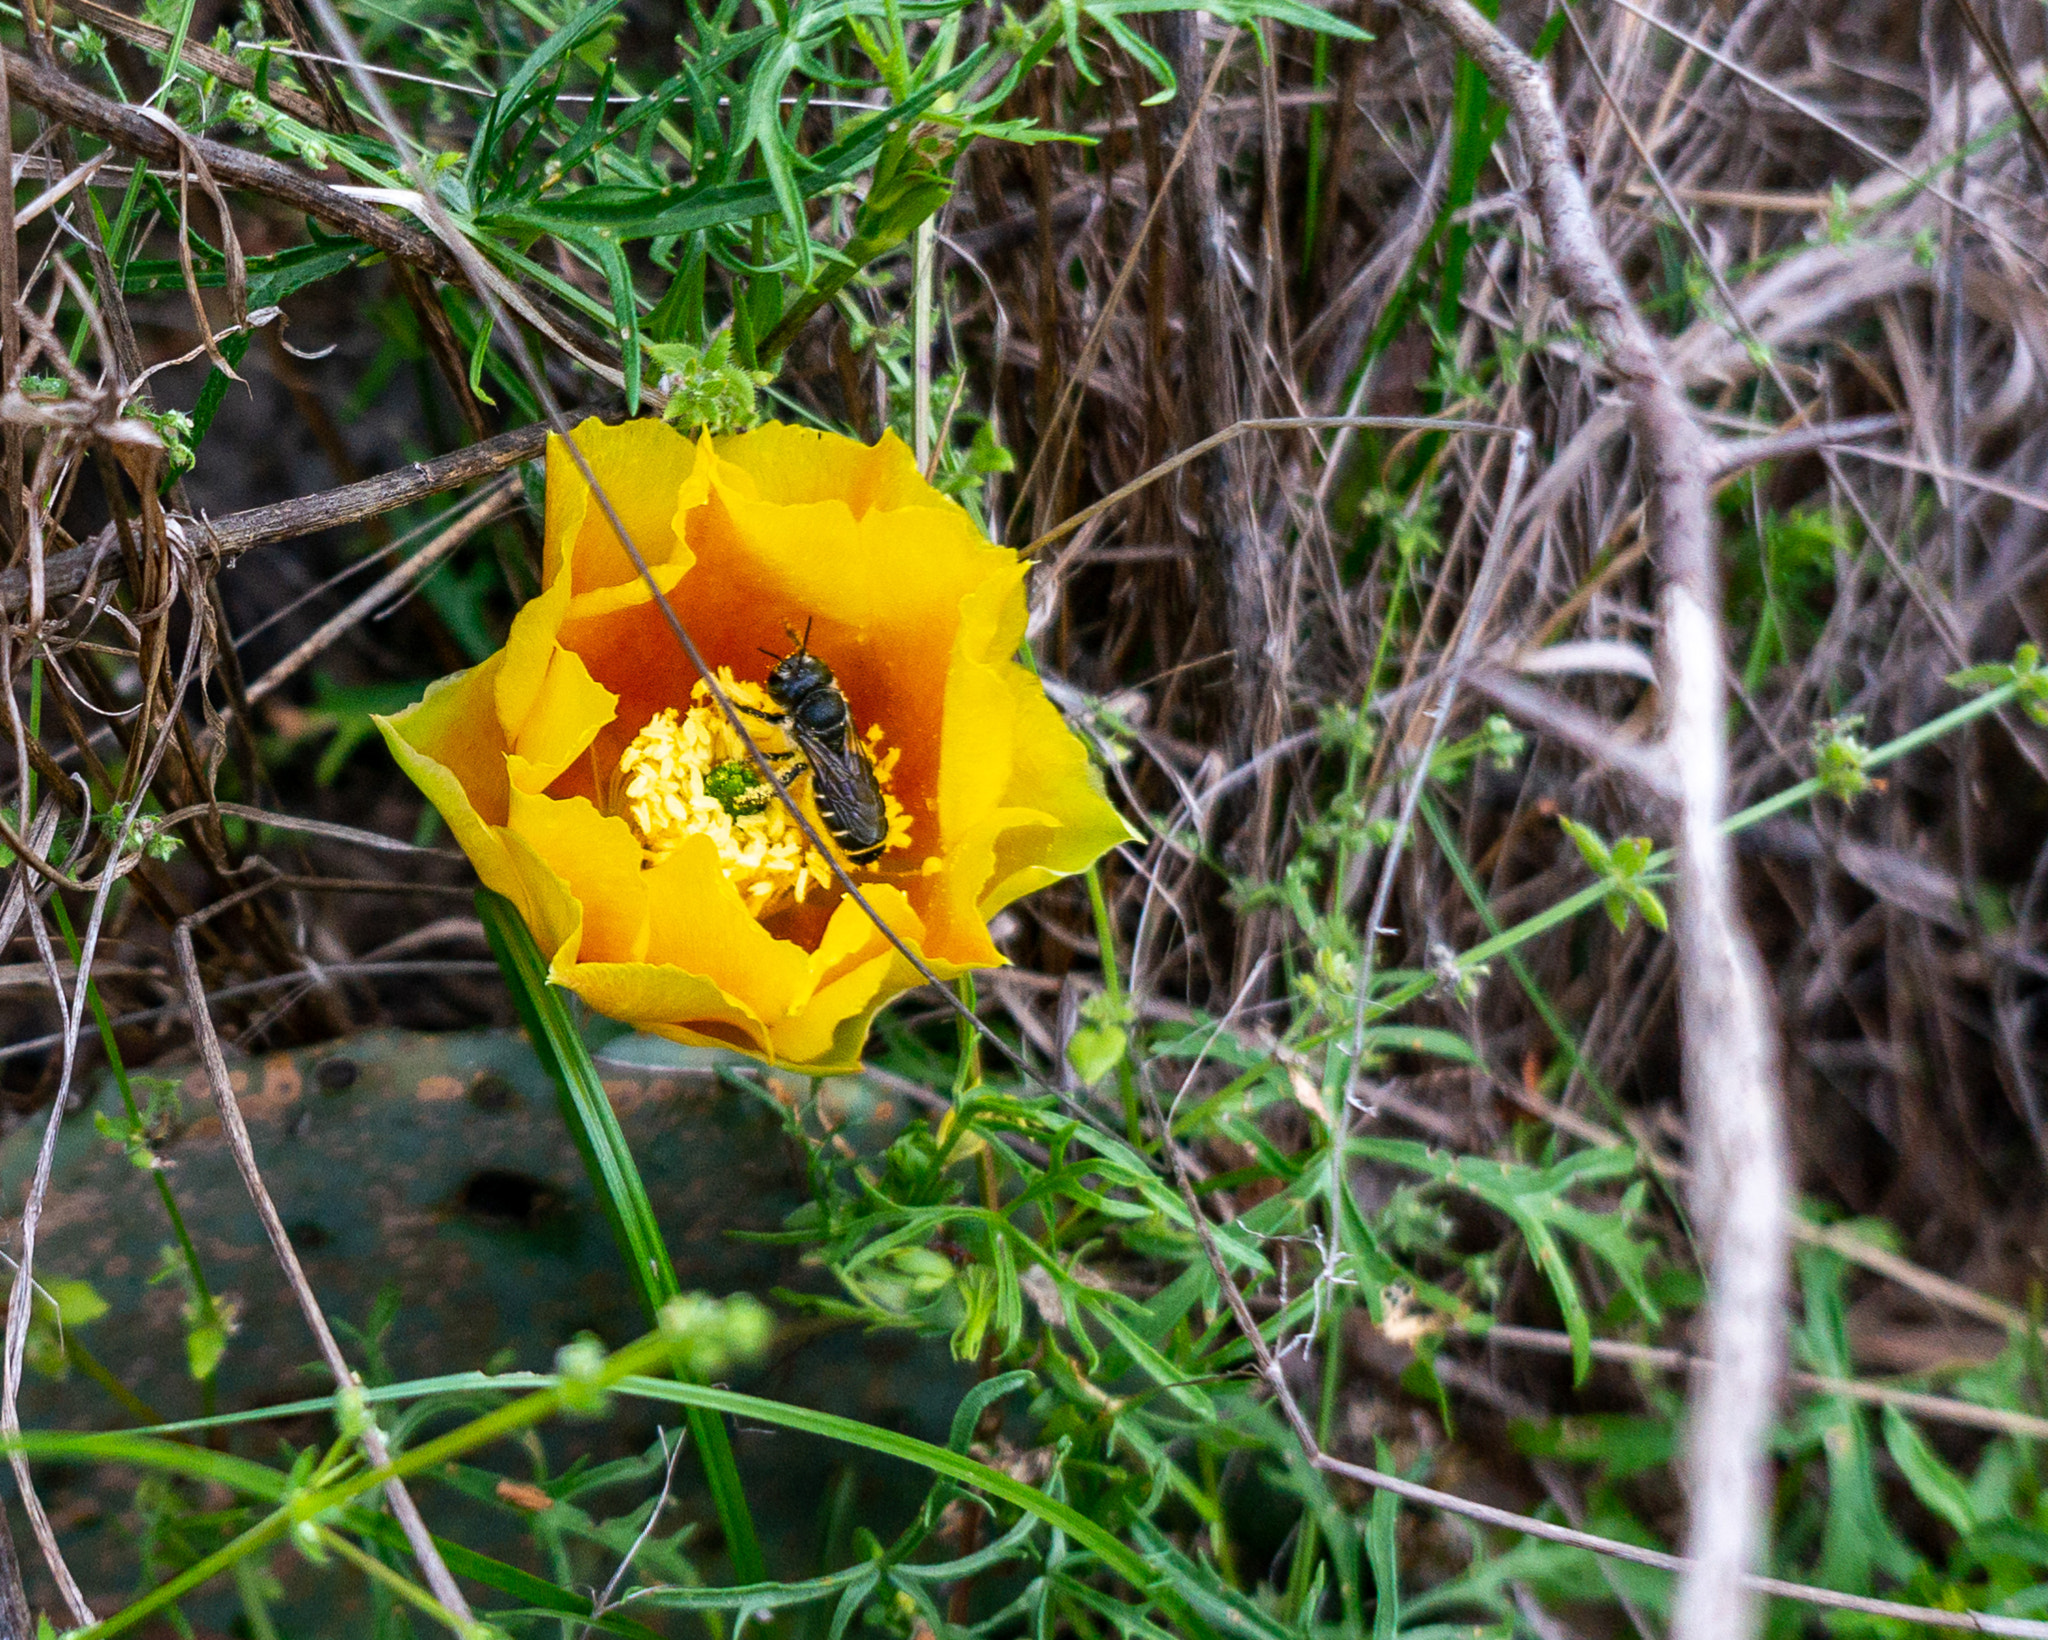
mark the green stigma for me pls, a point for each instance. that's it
(738, 787)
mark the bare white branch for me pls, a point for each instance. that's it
(1729, 1050)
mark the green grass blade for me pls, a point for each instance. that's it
(595, 1127)
(1381, 1552)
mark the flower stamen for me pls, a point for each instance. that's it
(688, 773)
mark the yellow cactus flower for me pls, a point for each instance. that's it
(591, 780)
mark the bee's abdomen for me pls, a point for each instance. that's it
(861, 828)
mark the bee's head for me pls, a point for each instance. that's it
(797, 675)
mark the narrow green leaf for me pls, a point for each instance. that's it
(1933, 1482)
(595, 1127)
(1381, 1554)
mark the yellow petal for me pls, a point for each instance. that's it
(856, 971)
(528, 654)
(954, 902)
(455, 726)
(797, 466)
(976, 751)
(643, 466)
(552, 914)
(1050, 770)
(697, 922)
(667, 1002)
(571, 709)
(448, 746)
(597, 858)
(919, 618)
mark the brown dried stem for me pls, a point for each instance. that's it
(136, 132)
(197, 53)
(66, 572)
(375, 1448)
(1729, 1053)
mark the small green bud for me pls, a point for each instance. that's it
(352, 1412)
(581, 1364)
(703, 387)
(1840, 760)
(711, 1336)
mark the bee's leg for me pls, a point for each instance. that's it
(790, 775)
(779, 719)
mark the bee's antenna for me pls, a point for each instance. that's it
(770, 653)
(805, 646)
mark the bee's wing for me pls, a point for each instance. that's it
(843, 781)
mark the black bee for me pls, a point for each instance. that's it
(815, 715)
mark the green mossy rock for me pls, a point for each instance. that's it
(438, 1167)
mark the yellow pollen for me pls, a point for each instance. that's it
(689, 774)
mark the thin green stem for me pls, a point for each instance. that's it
(636, 1358)
(967, 1068)
(1511, 939)
(613, 1174)
(401, 1586)
(208, 1313)
(117, 236)
(1113, 989)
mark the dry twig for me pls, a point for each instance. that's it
(1731, 1080)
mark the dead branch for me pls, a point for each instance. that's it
(65, 572)
(1728, 1045)
(387, 588)
(135, 132)
(195, 52)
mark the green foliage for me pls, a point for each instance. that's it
(1101, 1041)
(60, 1307)
(210, 1319)
(2024, 674)
(1537, 1201)
(1497, 743)
(1840, 760)
(159, 1116)
(143, 832)
(704, 388)
(1781, 575)
(1115, 1460)
(1623, 868)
